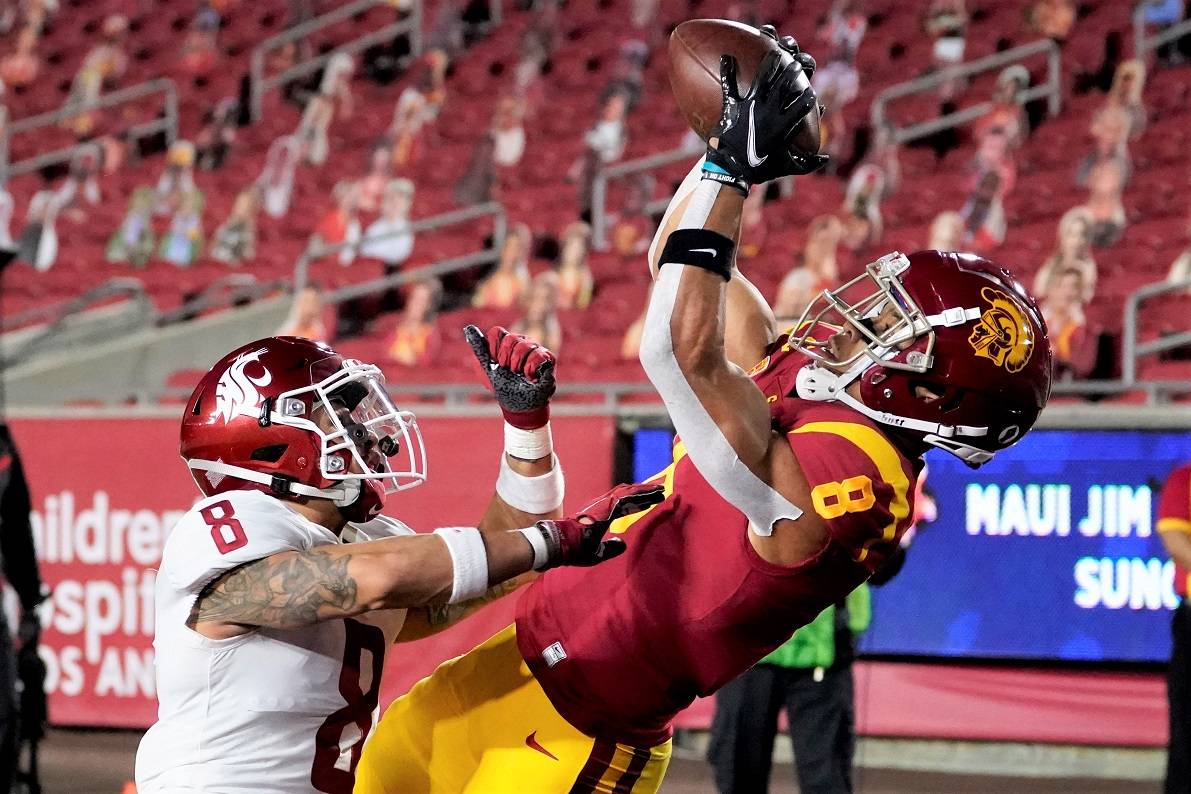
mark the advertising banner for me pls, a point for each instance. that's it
(107, 492)
(1049, 552)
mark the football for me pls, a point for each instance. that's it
(695, 49)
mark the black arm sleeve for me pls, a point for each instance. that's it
(16, 532)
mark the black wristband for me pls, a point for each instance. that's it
(700, 248)
(734, 182)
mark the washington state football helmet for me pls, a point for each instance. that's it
(963, 329)
(292, 417)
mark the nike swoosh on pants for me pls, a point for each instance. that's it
(532, 742)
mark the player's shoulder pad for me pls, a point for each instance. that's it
(853, 470)
(227, 530)
(375, 529)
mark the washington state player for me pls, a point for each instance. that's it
(280, 591)
(791, 484)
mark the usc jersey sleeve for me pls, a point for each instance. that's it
(1174, 508)
(860, 485)
(227, 530)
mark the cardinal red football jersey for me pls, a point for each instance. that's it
(622, 647)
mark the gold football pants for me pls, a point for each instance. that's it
(481, 724)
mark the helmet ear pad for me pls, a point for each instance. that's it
(301, 456)
(285, 451)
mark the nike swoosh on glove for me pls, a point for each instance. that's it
(752, 137)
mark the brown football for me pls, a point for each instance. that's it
(695, 49)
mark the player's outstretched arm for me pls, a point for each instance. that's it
(749, 324)
(520, 373)
(721, 415)
(530, 485)
(430, 620)
(300, 588)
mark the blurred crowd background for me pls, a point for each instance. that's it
(506, 162)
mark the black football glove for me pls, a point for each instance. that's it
(788, 44)
(754, 131)
(579, 539)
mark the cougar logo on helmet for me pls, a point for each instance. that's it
(236, 393)
(1003, 333)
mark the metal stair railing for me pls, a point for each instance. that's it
(434, 270)
(1052, 89)
(491, 209)
(238, 287)
(66, 316)
(127, 286)
(166, 122)
(1131, 349)
(261, 84)
(224, 292)
(459, 399)
(599, 188)
(1143, 44)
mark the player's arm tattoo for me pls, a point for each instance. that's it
(287, 590)
(438, 615)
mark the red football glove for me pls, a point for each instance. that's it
(520, 371)
(579, 539)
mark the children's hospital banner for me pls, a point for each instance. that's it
(108, 491)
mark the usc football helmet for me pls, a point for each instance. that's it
(293, 418)
(963, 360)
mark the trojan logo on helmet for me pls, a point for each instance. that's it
(1003, 333)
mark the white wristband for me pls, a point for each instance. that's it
(537, 495)
(469, 557)
(528, 444)
(541, 551)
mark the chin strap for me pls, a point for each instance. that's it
(823, 385)
(954, 316)
(278, 485)
(973, 456)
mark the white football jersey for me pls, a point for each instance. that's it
(272, 710)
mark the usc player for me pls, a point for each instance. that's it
(792, 483)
